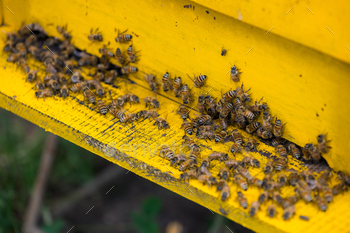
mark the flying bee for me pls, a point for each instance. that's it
(224, 173)
(314, 152)
(223, 123)
(254, 208)
(63, 32)
(221, 156)
(151, 101)
(200, 105)
(242, 199)
(102, 106)
(32, 75)
(226, 110)
(281, 163)
(240, 181)
(252, 127)
(321, 202)
(288, 212)
(96, 36)
(207, 179)
(251, 145)
(64, 90)
(43, 93)
(123, 37)
(183, 112)
(161, 123)
(90, 96)
(291, 200)
(39, 84)
(177, 86)
(76, 77)
(166, 82)
(187, 127)
(264, 134)
(266, 122)
(79, 86)
(231, 163)
(187, 164)
(53, 84)
(249, 160)
(186, 94)
(271, 211)
(190, 174)
(147, 113)
(234, 73)
(129, 69)
(282, 179)
(235, 148)
(294, 150)
(321, 139)
(220, 136)
(268, 167)
(150, 79)
(263, 197)
(237, 137)
(281, 150)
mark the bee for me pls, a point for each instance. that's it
(102, 106)
(344, 178)
(288, 212)
(178, 159)
(271, 210)
(266, 122)
(63, 32)
(200, 105)
(223, 123)
(166, 83)
(281, 163)
(244, 172)
(99, 89)
(110, 77)
(177, 86)
(96, 36)
(205, 135)
(90, 96)
(131, 98)
(43, 93)
(150, 79)
(220, 136)
(183, 112)
(240, 181)
(224, 173)
(119, 56)
(227, 97)
(9, 46)
(13, 57)
(53, 84)
(11, 36)
(79, 86)
(210, 102)
(293, 178)
(257, 107)
(22, 51)
(64, 90)
(282, 179)
(234, 73)
(32, 75)
(321, 202)
(199, 81)
(221, 156)
(243, 95)
(76, 77)
(255, 181)
(166, 152)
(23, 31)
(187, 127)
(281, 150)
(263, 197)
(264, 134)
(148, 114)
(202, 120)
(151, 101)
(205, 163)
(314, 152)
(251, 145)
(321, 139)
(131, 56)
(226, 110)
(268, 167)
(161, 123)
(327, 193)
(252, 127)
(119, 114)
(123, 37)
(294, 150)
(187, 164)
(242, 199)
(30, 40)
(207, 179)
(193, 146)
(231, 163)
(225, 190)
(39, 84)
(307, 176)
(87, 60)
(190, 174)
(24, 65)
(62, 78)
(240, 120)
(235, 148)
(237, 137)
(289, 201)
(129, 69)
(278, 128)
(304, 193)
(254, 208)
(249, 160)
(338, 188)
(186, 94)
(51, 69)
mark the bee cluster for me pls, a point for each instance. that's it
(63, 63)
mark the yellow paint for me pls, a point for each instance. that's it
(271, 69)
(304, 21)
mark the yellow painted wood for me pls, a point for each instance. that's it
(179, 40)
(304, 21)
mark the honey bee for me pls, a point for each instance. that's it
(191, 174)
(187, 164)
(249, 160)
(321, 139)
(193, 146)
(96, 36)
(99, 89)
(161, 123)
(90, 96)
(220, 136)
(9, 46)
(266, 122)
(294, 150)
(304, 193)
(51, 69)
(13, 57)
(257, 107)
(235, 148)
(321, 202)
(43, 93)
(129, 69)
(32, 75)
(183, 112)
(240, 120)
(165, 151)
(30, 40)
(291, 200)
(39, 84)
(199, 81)
(11, 36)
(23, 31)
(148, 114)
(225, 190)
(102, 106)
(87, 60)
(79, 86)
(205, 135)
(62, 78)
(255, 181)
(24, 65)
(281, 163)
(226, 110)
(131, 98)
(223, 123)
(150, 79)
(119, 114)
(234, 73)
(76, 77)
(240, 181)
(205, 163)
(281, 150)
(338, 188)
(151, 101)
(166, 83)
(22, 51)
(252, 127)
(63, 32)
(243, 95)
(278, 128)
(221, 156)
(53, 84)
(251, 145)
(314, 152)
(242, 199)
(177, 159)
(119, 56)
(224, 173)
(264, 134)
(64, 90)
(177, 86)
(109, 79)
(271, 211)
(200, 105)
(210, 102)
(105, 52)
(186, 94)
(131, 56)
(202, 120)
(227, 97)
(244, 172)
(307, 176)
(268, 167)
(288, 212)
(263, 197)
(237, 137)
(123, 37)
(187, 127)
(207, 179)
(254, 208)
(231, 163)
(327, 193)
(344, 178)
